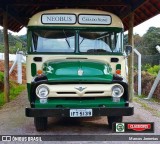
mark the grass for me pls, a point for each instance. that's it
(142, 102)
(151, 100)
(15, 90)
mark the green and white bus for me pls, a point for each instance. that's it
(76, 66)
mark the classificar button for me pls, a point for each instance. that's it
(135, 127)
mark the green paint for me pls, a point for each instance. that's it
(76, 103)
(68, 70)
(86, 54)
(28, 90)
(118, 66)
(29, 40)
(96, 28)
(33, 69)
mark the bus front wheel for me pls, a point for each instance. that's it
(112, 119)
(40, 123)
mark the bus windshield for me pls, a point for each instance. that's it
(100, 42)
(64, 41)
(53, 41)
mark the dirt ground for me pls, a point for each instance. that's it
(14, 122)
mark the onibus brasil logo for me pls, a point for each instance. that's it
(120, 127)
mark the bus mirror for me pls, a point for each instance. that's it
(128, 49)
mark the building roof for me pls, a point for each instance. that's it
(20, 11)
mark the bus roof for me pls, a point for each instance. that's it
(75, 17)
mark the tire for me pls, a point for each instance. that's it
(40, 123)
(112, 119)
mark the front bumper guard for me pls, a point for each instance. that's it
(65, 112)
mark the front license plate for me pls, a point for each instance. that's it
(80, 112)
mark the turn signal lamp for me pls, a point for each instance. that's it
(118, 69)
(39, 72)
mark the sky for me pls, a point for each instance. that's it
(140, 29)
(143, 27)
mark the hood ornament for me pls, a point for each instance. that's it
(50, 69)
(80, 72)
(106, 70)
(80, 88)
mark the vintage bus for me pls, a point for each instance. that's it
(76, 66)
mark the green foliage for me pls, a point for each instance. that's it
(151, 39)
(18, 45)
(125, 39)
(146, 67)
(1, 81)
(1, 76)
(1, 48)
(15, 90)
(147, 43)
(15, 42)
(135, 67)
(154, 70)
(147, 106)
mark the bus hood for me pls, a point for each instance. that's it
(77, 71)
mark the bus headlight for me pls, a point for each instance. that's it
(42, 91)
(117, 92)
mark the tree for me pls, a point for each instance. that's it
(147, 43)
(138, 42)
(151, 39)
(15, 42)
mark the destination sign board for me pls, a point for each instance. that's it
(58, 19)
(94, 19)
(84, 19)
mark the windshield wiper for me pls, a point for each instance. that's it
(81, 41)
(66, 39)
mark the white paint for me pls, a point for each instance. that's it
(94, 19)
(58, 19)
(18, 58)
(12, 57)
(50, 69)
(19, 67)
(139, 72)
